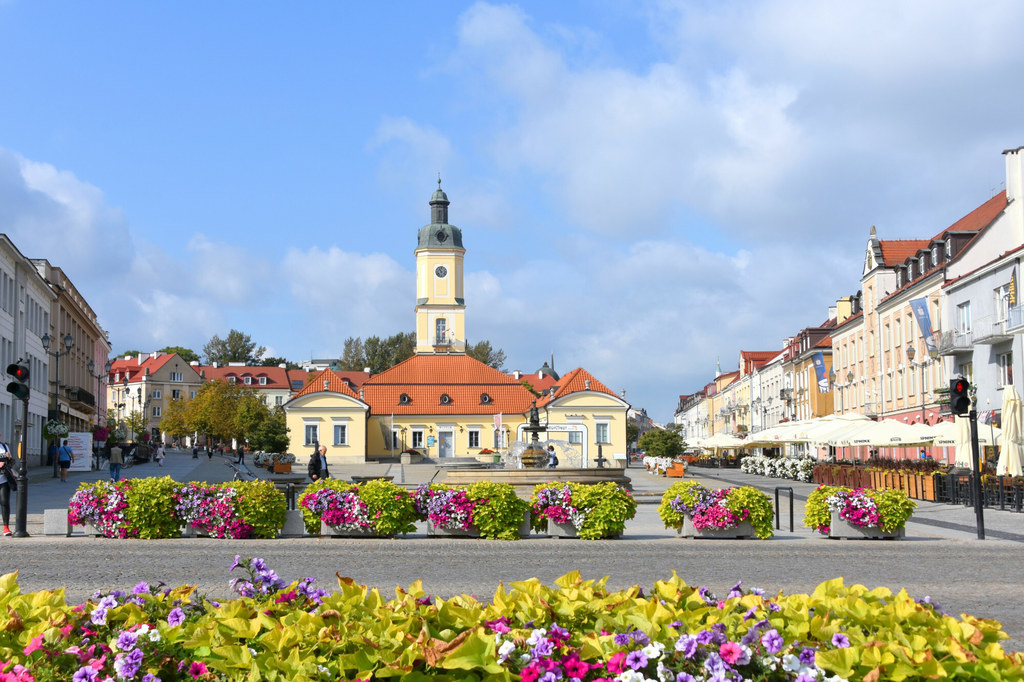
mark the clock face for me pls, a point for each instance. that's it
(440, 271)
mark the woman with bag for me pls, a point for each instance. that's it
(65, 456)
(7, 483)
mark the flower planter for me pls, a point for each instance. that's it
(843, 529)
(676, 471)
(93, 530)
(282, 468)
(333, 532)
(742, 531)
(929, 490)
(567, 530)
(436, 531)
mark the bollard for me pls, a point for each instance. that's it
(778, 520)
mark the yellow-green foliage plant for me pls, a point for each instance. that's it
(377, 507)
(576, 628)
(595, 510)
(887, 509)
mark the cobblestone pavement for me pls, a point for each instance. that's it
(940, 558)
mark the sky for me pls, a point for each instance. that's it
(644, 188)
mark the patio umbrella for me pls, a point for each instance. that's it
(787, 432)
(947, 433)
(887, 433)
(1011, 452)
(964, 453)
(832, 426)
(723, 441)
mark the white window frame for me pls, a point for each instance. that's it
(156, 410)
(474, 436)
(177, 376)
(279, 400)
(311, 429)
(963, 317)
(417, 439)
(1002, 302)
(1005, 361)
(602, 429)
(248, 381)
(263, 381)
(575, 437)
(156, 393)
(339, 433)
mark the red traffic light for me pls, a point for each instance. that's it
(19, 372)
(959, 397)
(19, 387)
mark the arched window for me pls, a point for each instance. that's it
(485, 399)
(446, 399)
(404, 399)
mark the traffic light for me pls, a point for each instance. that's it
(18, 387)
(959, 398)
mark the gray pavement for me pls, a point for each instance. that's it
(940, 558)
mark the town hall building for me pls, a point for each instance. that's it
(441, 402)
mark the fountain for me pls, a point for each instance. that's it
(525, 464)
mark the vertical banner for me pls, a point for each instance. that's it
(1013, 287)
(819, 369)
(498, 441)
(924, 321)
(80, 443)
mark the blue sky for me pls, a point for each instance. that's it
(643, 187)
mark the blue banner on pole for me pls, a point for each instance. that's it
(924, 321)
(819, 368)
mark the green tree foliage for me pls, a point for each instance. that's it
(135, 422)
(214, 410)
(173, 422)
(485, 353)
(275, 362)
(237, 347)
(186, 354)
(353, 359)
(662, 443)
(129, 352)
(376, 353)
(271, 434)
(632, 432)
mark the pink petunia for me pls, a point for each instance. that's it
(197, 669)
(730, 652)
(36, 643)
(617, 663)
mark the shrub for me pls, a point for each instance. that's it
(596, 511)
(885, 509)
(493, 509)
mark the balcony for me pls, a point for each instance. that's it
(955, 342)
(1015, 320)
(991, 330)
(80, 398)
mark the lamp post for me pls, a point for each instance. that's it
(97, 377)
(910, 358)
(69, 341)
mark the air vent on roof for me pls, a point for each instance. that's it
(404, 399)
(446, 399)
(485, 399)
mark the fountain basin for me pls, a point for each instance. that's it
(525, 480)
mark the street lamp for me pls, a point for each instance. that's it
(69, 341)
(910, 358)
(92, 366)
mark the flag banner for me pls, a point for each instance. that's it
(1013, 287)
(819, 369)
(924, 321)
(497, 422)
(385, 432)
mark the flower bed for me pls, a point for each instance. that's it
(595, 511)
(716, 509)
(797, 469)
(887, 510)
(377, 507)
(577, 629)
(493, 509)
(158, 507)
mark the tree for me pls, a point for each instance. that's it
(186, 354)
(376, 353)
(135, 422)
(271, 434)
(632, 432)
(275, 362)
(214, 410)
(662, 443)
(129, 352)
(353, 359)
(173, 422)
(237, 347)
(485, 353)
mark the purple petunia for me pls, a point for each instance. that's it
(636, 660)
(176, 617)
(840, 640)
(126, 641)
(772, 641)
(807, 655)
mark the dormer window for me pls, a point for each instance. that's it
(935, 254)
(899, 277)
(404, 399)
(263, 381)
(922, 266)
(446, 399)
(248, 381)
(232, 380)
(485, 399)
(949, 248)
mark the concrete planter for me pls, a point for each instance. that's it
(567, 530)
(844, 530)
(742, 531)
(332, 532)
(435, 531)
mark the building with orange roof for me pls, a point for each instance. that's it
(147, 383)
(442, 403)
(275, 384)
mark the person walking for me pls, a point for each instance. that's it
(195, 451)
(241, 454)
(159, 454)
(116, 460)
(8, 482)
(65, 456)
(552, 457)
(318, 464)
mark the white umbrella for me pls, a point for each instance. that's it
(964, 452)
(722, 441)
(833, 426)
(946, 434)
(1011, 452)
(787, 432)
(886, 433)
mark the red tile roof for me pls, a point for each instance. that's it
(896, 251)
(276, 377)
(979, 217)
(131, 365)
(335, 384)
(575, 382)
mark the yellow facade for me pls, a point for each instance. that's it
(326, 412)
(440, 301)
(590, 421)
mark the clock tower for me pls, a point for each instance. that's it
(440, 302)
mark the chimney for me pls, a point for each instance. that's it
(1014, 177)
(194, 363)
(138, 359)
(586, 384)
(283, 366)
(216, 365)
(155, 355)
(366, 369)
(517, 375)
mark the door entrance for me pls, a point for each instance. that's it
(445, 444)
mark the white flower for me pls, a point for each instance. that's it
(653, 651)
(664, 674)
(154, 635)
(525, 659)
(322, 669)
(790, 663)
(252, 651)
(505, 650)
(630, 676)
